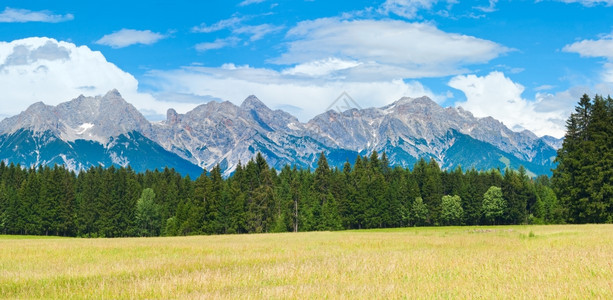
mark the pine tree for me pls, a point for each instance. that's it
(432, 191)
(515, 196)
(472, 202)
(214, 210)
(325, 209)
(67, 205)
(582, 179)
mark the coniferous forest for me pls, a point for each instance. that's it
(368, 193)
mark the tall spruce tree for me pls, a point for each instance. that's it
(583, 179)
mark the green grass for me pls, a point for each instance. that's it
(528, 262)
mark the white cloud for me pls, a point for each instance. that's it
(257, 32)
(217, 44)
(602, 47)
(589, 2)
(405, 8)
(593, 48)
(128, 37)
(321, 67)
(409, 9)
(607, 73)
(488, 9)
(14, 15)
(498, 96)
(419, 48)
(307, 95)
(369, 59)
(223, 24)
(44, 69)
(249, 2)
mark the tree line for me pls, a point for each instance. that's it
(117, 202)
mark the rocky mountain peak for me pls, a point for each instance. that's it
(407, 104)
(253, 103)
(172, 117)
(89, 118)
(114, 93)
(37, 117)
(37, 107)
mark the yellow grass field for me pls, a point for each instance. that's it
(527, 262)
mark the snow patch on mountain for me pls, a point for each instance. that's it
(84, 127)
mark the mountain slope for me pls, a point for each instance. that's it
(32, 149)
(107, 130)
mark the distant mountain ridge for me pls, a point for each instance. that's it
(107, 130)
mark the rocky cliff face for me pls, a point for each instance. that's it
(420, 124)
(85, 132)
(226, 134)
(83, 118)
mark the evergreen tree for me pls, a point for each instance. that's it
(515, 196)
(29, 210)
(215, 213)
(472, 202)
(192, 218)
(583, 177)
(325, 209)
(67, 206)
(432, 191)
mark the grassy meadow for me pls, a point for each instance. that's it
(529, 262)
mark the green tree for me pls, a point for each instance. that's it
(583, 179)
(451, 210)
(515, 195)
(432, 191)
(493, 205)
(419, 212)
(147, 214)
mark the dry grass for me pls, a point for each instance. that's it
(528, 262)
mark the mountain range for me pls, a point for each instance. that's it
(107, 130)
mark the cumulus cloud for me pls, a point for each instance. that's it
(602, 47)
(419, 48)
(593, 48)
(498, 96)
(306, 96)
(14, 15)
(44, 69)
(128, 37)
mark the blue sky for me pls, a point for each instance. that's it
(525, 63)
